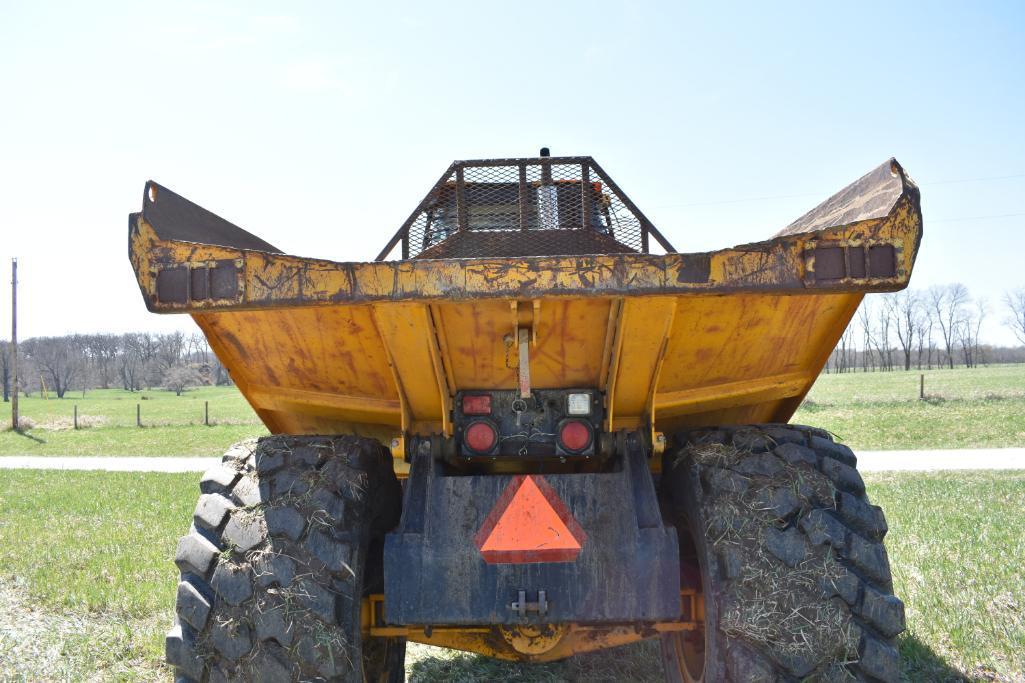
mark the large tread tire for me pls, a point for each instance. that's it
(795, 577)
(285, 541)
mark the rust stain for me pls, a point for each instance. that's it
(741, 313)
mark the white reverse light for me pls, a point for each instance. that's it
(579, 404)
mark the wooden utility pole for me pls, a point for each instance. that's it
(14, 342)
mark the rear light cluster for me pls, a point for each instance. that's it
(550, 423)
(476, 404)
(575, 436)
(578, 404)
(480, 436)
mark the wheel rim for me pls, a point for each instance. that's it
(687, 655)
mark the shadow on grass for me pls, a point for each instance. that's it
(920, 662)
(636, 662)
(30, 436)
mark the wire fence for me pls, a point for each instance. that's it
(62, 414)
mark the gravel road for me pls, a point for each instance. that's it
(868, 461)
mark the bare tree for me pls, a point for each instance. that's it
(5, 369)
(220, 373)
(28, 374)
(926, 326)
(840, 357)
(130, 363)
(200, 346)
(149, 346)
(947, 303)
(197, 353)
(906, 312)
(884, 319)
(923, 333)
(963, 334)
(967, 333)
(865, 323)
(170, 349)
(103, 351)
(1015, 301)
(178, 377)
(60, 359)
(981, 309)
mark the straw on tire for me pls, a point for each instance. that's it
(796, 579)
(273, 567)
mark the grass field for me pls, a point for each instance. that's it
(116, 407)
(93, 552)
(980, 407)
(97, 550)
(964, 408)
(172, 425)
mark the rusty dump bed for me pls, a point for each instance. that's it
(673, 340)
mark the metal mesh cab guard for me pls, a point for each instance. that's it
(545, 206)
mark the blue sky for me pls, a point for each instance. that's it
(319, 126)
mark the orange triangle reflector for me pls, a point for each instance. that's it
(529, 523)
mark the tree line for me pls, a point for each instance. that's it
(133, 361)
(937, 327)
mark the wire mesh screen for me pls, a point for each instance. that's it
(524, 207)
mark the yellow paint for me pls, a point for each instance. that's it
(373, 368)
(278, 280)
(530, 643)
(380, 349)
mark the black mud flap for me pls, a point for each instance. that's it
(540, 548)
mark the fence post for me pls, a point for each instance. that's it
(206, 413)
(76, 416)
(138, 414)
(921, 386)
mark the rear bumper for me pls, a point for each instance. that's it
(617, 563)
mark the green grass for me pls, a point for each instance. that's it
(957, 551)
(172, 425)
(159, 407)
(95, 541)
(964, 408)
(637, 662)
(97, 548)
(155, 441)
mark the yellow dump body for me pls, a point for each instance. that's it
(380, 349)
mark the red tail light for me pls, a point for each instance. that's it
(575, 435)
(480, 437)
(477, 405)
